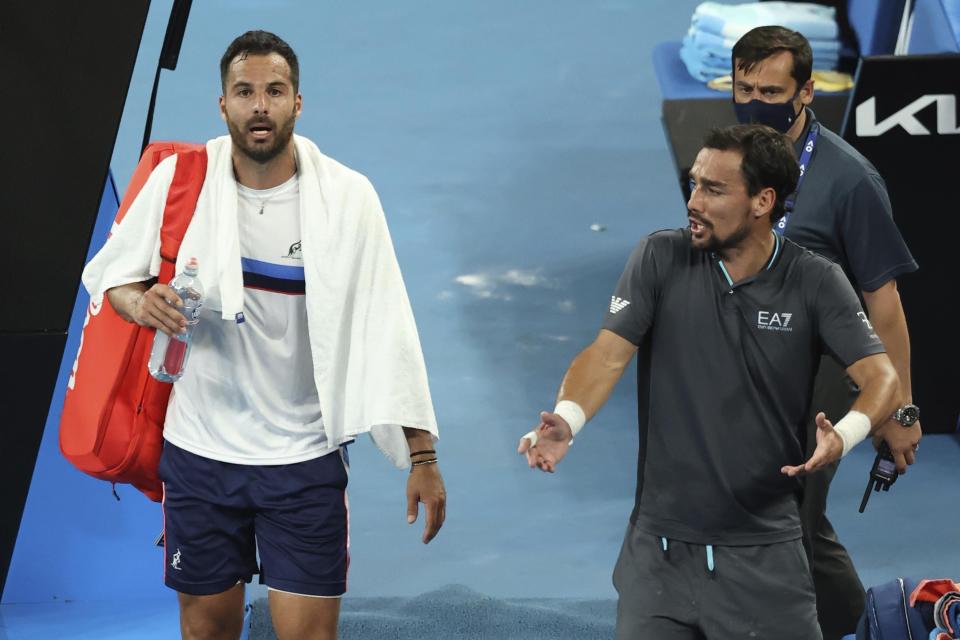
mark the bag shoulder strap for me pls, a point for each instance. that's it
(182, 197)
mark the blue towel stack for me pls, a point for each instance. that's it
(715, 28)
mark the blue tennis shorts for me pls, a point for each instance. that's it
(216, 515)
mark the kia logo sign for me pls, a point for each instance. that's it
(867, 125)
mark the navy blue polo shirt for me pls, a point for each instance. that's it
(726, 374)
(842, 212)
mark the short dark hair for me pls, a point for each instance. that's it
(759, 44)
(767, 156)
(260, 43)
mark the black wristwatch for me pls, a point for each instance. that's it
(907, 414)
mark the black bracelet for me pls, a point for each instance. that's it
(417, 453)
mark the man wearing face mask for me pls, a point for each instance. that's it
(841, 211)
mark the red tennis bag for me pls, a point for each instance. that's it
(113, 412)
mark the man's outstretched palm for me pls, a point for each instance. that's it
(829, 448)
(552, 443)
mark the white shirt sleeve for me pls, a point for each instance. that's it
(132, 251)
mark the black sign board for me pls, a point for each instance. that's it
(903, 116)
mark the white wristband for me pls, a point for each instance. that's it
(853, 428)
(572, 413)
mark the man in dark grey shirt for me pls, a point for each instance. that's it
(840, 211)
(731, 320)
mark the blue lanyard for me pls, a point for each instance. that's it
(805, 156)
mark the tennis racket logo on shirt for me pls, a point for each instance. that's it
(617, 304)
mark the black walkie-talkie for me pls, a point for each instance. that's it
(882, 475)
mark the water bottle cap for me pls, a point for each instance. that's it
(193, 265)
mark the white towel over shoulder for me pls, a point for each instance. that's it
(368, 365)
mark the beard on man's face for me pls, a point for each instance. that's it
(714, 243)
(735, 238)
(262, 152)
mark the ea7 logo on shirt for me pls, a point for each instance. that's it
(772, 321)
(617, 304)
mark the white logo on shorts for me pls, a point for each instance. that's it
(176, 560)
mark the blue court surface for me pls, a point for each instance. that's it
(519, 154)
(541, 576)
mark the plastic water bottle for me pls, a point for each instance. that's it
(169, 354)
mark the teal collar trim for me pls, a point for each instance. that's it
(776, 249)
(726, 273)
(777, 245)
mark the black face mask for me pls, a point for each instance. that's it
(778, 115)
